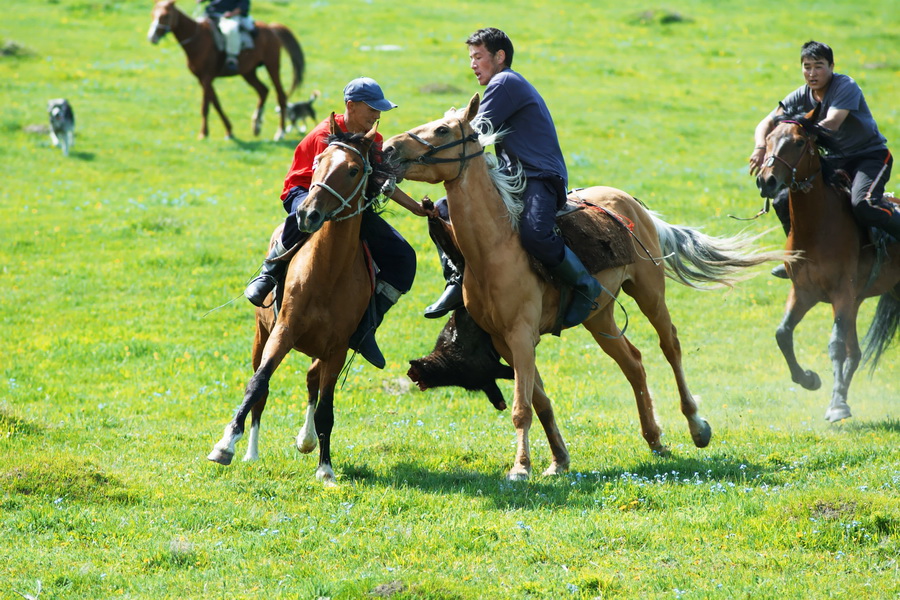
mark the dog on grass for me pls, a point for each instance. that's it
(300, 111)
(62, 124)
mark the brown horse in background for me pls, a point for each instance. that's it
(206, 62)
(327, 289)
(839, 264)
(515, 305)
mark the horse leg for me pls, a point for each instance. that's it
(544, 410)
(306, 439)
(209, 95)
(843, 348)
(601, 326)
(518, 350)
(259, 342)
(325, 416)
(274, 351)
(796, 309)
(652, 302)
(262, 91)
(275, 76)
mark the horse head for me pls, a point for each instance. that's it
(165, 16)
(339, 183)
(792, 156)
(437, 151)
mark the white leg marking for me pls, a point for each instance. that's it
(223, 451)
(326, 476)
(252, 444)
(307, 438)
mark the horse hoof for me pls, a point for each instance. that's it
(837, 413)
(222, 457)
(660, 450)
(326, 476)
(250, 457)
(518, 474)
(811, 381)
(279, 135)
(305, 445)
(556, 468)
(701, 438)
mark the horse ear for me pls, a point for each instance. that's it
(813, 115)
(369, 138)
(332, 125)
(472, 109)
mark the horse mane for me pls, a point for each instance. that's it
(383, 173)
(510, 182)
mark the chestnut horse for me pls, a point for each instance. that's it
(206, 62)
(327, 289)
(510, 301)
(839, 264)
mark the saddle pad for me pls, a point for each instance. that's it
(599, 237)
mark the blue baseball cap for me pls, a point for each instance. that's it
(366, 89)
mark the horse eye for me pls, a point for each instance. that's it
(354, 171)
(442, 130)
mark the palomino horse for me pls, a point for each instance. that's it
(509, 300)
(327, 289)
(206, 62)
(839, 264)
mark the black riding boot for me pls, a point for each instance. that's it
(585, 288)
(452, 297)
(363, 339)
(891, 226)
(265, 282)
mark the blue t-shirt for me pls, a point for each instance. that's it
(858, 134)
(512, 104)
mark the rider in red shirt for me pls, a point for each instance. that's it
(364, 102)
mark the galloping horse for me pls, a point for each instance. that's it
(510, 301)
(206, 62)
(327, 289)
(839, 264)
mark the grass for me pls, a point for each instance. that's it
(115, 379)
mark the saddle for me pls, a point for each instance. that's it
(247, 36)
(601, 238)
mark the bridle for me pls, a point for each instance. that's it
(163, 29)
(797, 185)
(346, 202)
(429, 157)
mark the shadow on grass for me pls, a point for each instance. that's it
(887, 425)
(572, 490)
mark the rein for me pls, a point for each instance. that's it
(346, 202)
(797, 185)
(429, 159)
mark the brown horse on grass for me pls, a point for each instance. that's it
(206, 62)
(327, 289)
(839, 264)
(509, 300)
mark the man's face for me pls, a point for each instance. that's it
(485, 64)
(360, 117)
(817, 73)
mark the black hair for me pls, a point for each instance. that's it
(816, 51)
(494, 40)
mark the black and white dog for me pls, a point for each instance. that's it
(62, 124)
(300, 111)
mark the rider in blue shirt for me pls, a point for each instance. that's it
(514, 106)
(861, 149)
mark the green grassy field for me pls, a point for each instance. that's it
(116, 380)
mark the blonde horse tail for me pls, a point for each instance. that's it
(701, 261)
(883, 328)
(292, 47)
